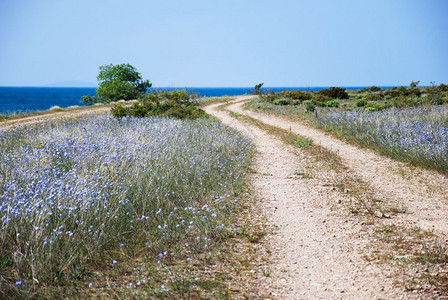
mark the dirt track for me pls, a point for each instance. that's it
(318, 249)
(55, 115)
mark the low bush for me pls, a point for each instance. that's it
(375, 96)
(371, 89)
(333, 103)
(269, 97)
(402, 91)
(179, 96)
(406, 101)
(310, 107)
(361, 103)
(321, 98)
(309, 102)
(178, 104)
(184, 112)
(443, 88)
(334, 93)
(370, 107)
(282, 102)
(296, 95)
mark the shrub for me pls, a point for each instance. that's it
(361, 103)
(403, 91)
(371, 89)
(179, 96)
(282, 102)
(310, 107)
(177, 104)
(334, 93)
(438, 101)
(270, 96)
(296, 95)
(405, 101)
(375, 96)
(307, 102)
(435, 94)
(333, 103)
(443, 88)
(445, 98)
(118, 111)
(184, 112)
(371, 107)
(321, 98)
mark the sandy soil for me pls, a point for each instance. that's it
(423, 193)
(317, 251)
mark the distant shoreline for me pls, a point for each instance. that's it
(16, 100)
(314, 88)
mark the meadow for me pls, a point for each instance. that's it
(79, 196)
(407, 124)
(416, 135)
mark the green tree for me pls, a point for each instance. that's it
(118, 82)
(414, 84)
(257, 88)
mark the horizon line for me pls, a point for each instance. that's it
(213, 87)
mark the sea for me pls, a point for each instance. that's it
(15, 100)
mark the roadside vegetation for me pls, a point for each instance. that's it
(408, 124)
(86, 201)
(177, 104)
(415, 135)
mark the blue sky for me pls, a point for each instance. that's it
(226, 42)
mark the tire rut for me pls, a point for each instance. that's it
(316, 251)
(423, 193)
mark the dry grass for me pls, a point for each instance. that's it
(420, 257)
(54, 109)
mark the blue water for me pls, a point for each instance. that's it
(29, 99)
